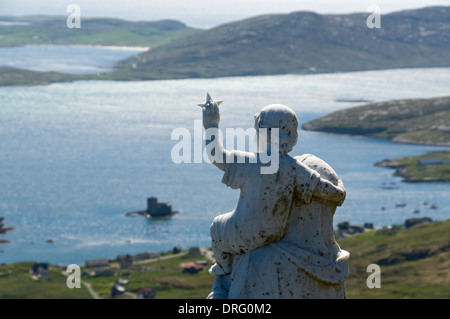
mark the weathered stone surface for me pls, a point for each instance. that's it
(279, 241)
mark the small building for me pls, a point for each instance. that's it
(202, 262)
(357, 228)
(343, 225)
(146, 256)
(39, 268)
(176, 249)
(39, 271)
(146, 293)
(125, 261)
(155, 209)
(142, 256)
(93, 263)
(191, 267)
(104, 272)
(194, 251)
(345, 229)
(158, 209)
(433, 161)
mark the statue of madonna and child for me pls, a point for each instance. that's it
(279, 241)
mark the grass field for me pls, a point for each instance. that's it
(16, 282)
(414, 263)
(166, 276)
(93, 31)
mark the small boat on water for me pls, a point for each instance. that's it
(400, 204)
(357, 100)
(390, 186)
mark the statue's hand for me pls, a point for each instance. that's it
(211, 114)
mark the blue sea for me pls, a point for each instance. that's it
(76, 157)
(72, 59)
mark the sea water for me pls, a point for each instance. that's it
(73, 59)
(76, 157)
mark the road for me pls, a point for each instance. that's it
(88, 286)
(207, 253)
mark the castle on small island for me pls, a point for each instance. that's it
(155, 209)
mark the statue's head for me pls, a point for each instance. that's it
(281, 117)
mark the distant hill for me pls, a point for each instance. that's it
(415, 121)
(14, 76)
(301, 42)
(28, 30)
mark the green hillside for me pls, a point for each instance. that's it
(12, 76)
(94, 31)
(430, 167)
(295, 43)
(16, 283)
(301, 42)
(416, 121)
(414, 263)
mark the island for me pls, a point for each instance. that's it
(430, 167)
(155, 209)
(4, 230)
(295, 43)
(412, 121)
(52, 30)
(10, 76)
(300, 43)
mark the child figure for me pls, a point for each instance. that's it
(265, 201)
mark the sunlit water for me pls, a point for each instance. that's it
(74, 59)
(76, 157)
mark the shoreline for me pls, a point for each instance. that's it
(108, 47)
(116, 77)
(342, 231)
(307, 128)
(413, 164)
(400, 171)
(414, 121)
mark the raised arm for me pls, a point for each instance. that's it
(217, 154)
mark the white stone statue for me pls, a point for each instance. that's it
(278, 242)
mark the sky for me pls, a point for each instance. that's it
(202, 13)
